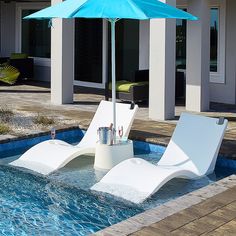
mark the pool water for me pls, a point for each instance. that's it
(62, 204)
(33, 205)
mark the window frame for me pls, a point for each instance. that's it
(219, 76)
(40, 61)
(104, 61)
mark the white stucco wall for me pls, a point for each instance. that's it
(162, 67)
(144, 30)
(62, 60)
(198, 57)
(7, 14)
(226, 93)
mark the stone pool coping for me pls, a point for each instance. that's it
(35, 135)
(154, 215)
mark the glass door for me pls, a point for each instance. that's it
(35, 36)
(127, 49)
(89, 52)
(93, 51)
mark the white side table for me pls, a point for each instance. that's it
(107, 156)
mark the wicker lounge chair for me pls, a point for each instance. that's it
(134, 91)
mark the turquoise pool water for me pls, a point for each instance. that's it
(62, 204)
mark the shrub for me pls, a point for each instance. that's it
(5, 114)
(43, 120)
(4, 129)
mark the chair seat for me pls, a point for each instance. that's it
(124, 85)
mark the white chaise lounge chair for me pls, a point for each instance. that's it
(191, 152)
(51, 155)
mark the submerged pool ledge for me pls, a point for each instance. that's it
(66, 135)
(26, 141)
(75, 133)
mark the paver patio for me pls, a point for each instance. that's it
(215, 216)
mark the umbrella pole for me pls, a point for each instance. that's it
(113, 73)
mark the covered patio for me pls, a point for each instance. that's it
(157, 53)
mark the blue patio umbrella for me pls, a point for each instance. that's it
(112, 10)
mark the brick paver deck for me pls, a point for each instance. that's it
(215, 216)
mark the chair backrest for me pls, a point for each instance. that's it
(195, 143)
(141, 75)
(104, 117)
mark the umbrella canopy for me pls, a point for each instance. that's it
(112, 10)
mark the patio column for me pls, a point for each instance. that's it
(62, 61)
(162, 67)
(198, 57)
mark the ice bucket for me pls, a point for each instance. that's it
(105, 135)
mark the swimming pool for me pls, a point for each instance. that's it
(62, 203)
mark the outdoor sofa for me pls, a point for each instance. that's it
(134, 91)
(138, 89)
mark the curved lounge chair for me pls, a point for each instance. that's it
(51, 155)
(191, 153)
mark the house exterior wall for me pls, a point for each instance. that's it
(144, 31)
(8, 30)
(226, 93)
(219, 92)
(198, 57)
(9, 36)
(62, 71)
(162, 67)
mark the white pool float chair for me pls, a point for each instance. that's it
(51, 155)
(191, 153)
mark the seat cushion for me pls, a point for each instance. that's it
(19, 56)
(124, 85)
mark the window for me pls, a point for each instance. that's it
(88, 50)
(35, 36)
(217, 53)
(217, 44)
(214, 29)
(127, 49)
(181, 44)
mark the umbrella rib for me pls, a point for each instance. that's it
(132, 3)
(75, 11)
